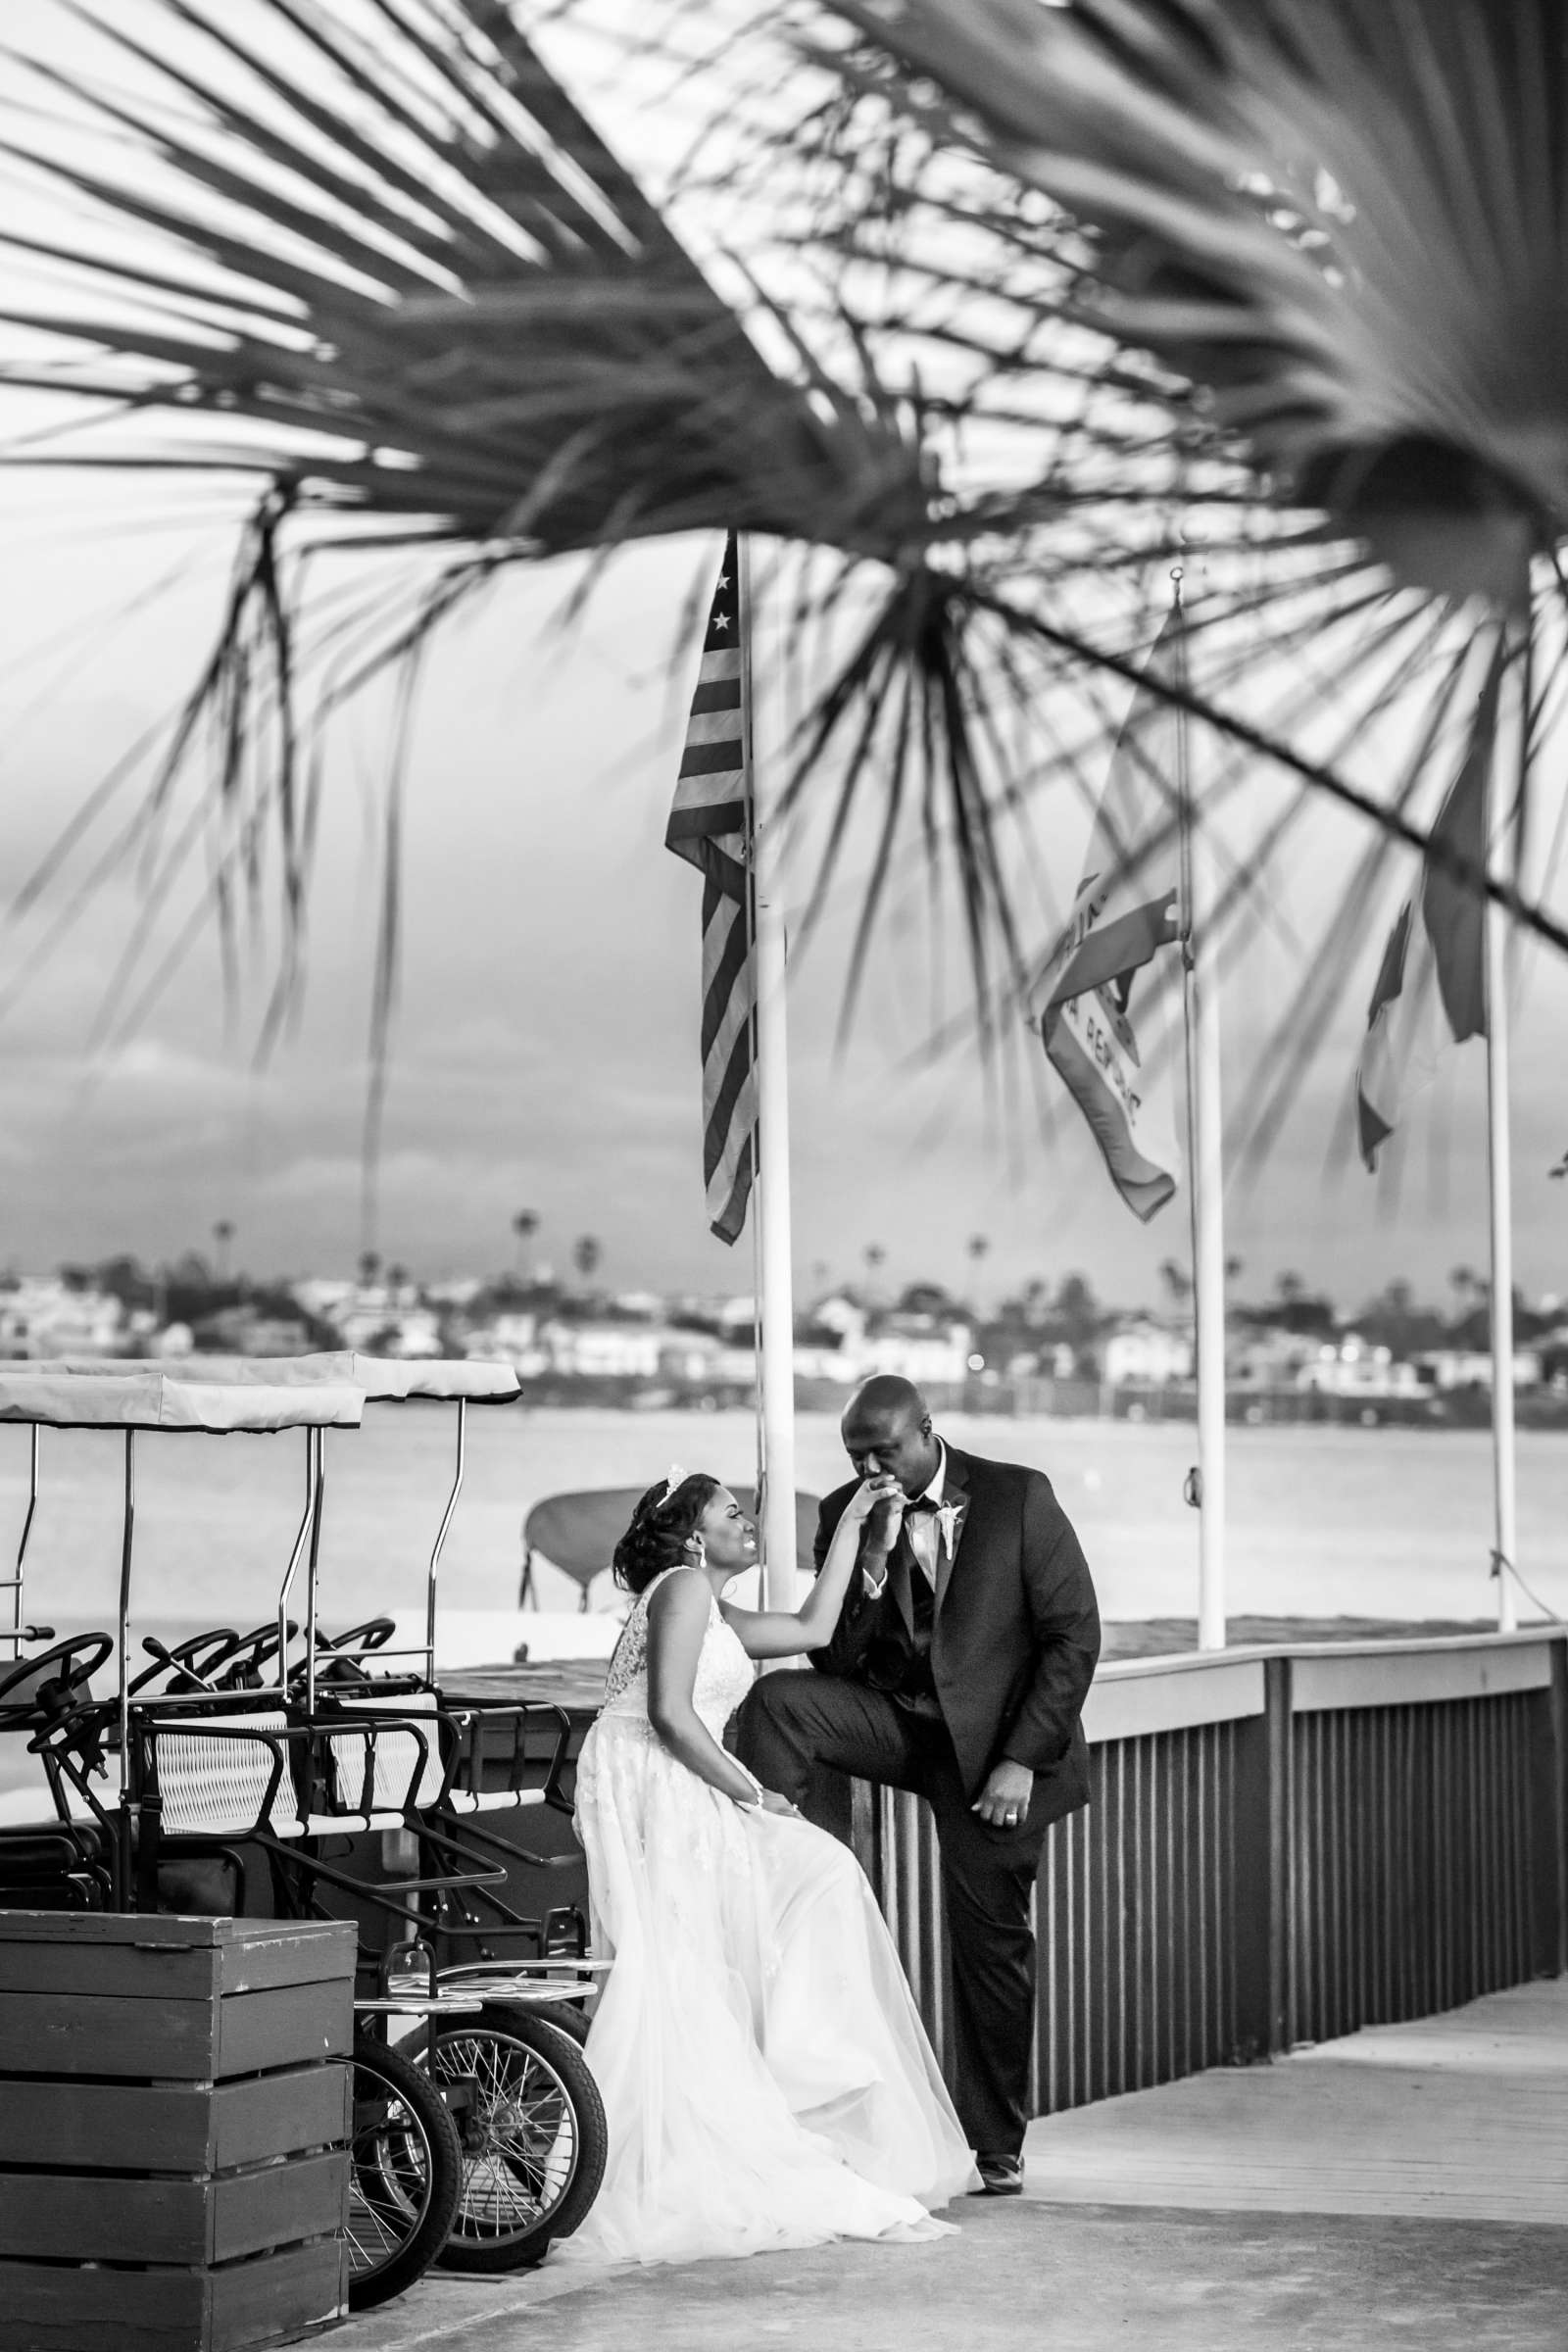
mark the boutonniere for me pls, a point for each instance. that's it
(950, 1517)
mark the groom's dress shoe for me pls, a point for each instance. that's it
(1000, 2176)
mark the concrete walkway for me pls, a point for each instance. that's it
(1407, 2184)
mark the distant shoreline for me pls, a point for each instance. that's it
(1535, 1408)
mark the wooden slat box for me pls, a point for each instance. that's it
(190, 2000)
(189, 2128)
(271, 2300)
(175, 2104)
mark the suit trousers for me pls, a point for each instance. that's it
(792, 1720)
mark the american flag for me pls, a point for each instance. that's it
(709, 825)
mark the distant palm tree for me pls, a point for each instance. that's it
(525, 1224)
(397, 1277)
(1177, 1281)
(977, 1249)
(369, 1268)
(222, 1235)
(585, 1257)
(876, 1258)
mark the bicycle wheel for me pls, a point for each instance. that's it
(533, 2134)
(567, 2017)
(405, 2174)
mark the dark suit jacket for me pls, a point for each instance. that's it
(1016, 1635)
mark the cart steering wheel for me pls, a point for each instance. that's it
(374, 1634)
(242, 1668)
(191, 1663)
(49, 1697)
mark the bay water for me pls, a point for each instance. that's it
(1323, 1521)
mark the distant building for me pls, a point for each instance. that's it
(42, 1316)
(249, 1331)
(932, 1353)
(840, 1340)
(638, 1306)
(1352, 1367)
(511, 1337)
(1139, 1350)
(1266, 1356)
(1471, 1367)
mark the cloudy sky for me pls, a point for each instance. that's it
(545, 1053)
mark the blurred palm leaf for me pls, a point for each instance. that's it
(1344, 226)
(1003, 309)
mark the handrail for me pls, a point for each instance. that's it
(1132, 1697)
(1187, 1661)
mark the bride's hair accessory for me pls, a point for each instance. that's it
(657, 1537)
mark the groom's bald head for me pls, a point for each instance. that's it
(886, 1427)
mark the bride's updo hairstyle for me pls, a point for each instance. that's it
(662, 1527)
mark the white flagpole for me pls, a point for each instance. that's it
(1505, 1539)
(770, 1197)
(1206, 1174)
(1500, 1162)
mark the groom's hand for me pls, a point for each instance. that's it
(885, 1501)
(1004, 1801)
(879, 1503)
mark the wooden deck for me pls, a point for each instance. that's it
(1407, 2184)
(1463, 2116)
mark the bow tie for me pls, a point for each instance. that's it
(920, 1502)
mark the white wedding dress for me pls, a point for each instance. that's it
(764, 2071)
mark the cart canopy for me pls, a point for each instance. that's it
(145, 1396)
(381, 1377)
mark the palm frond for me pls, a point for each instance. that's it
(1342, 226)
(993, 311)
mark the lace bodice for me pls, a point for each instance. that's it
(723, 1670)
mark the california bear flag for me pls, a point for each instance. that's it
(1125, 913)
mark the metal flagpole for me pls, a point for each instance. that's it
(1505, 1538)
(775, 1300)
(1207, 1176)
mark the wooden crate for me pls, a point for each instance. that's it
(191, 2127)
(271, 2300)
(191, 2000)
(175, 2104)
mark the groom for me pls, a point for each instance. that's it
(958, 1669)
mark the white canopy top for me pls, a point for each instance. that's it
(381, 1378)
(145, 1396)
(394, 1379)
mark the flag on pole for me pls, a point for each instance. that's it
(710, 826)
(1124, 915)
(1430, 983)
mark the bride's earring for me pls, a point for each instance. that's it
(699, 1551)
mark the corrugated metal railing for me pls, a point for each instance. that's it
(1281, 1846)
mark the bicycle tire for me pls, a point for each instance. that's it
(405, 2174)
(533, 2132)
(567, 2017)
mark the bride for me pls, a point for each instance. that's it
(764, 2073)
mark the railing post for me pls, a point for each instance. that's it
(1262, 1873)
(1548, 1818)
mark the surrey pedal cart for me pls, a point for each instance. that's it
(286, 1770)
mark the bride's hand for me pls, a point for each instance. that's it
(772, 1802)
(880, 1501)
